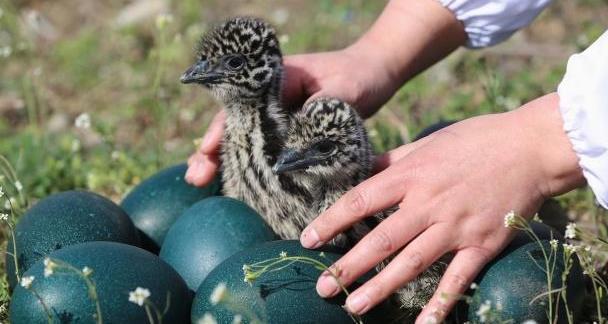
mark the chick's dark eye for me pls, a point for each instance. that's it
(234, 62)
(325, 147)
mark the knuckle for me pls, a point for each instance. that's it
(456, 281)
(356, 202)
(414, 261)
(381, 241)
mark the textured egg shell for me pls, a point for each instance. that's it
(117, 270)
(285, 296)
(64, 219)
(208, 233)
(158, 201)
(513, 279)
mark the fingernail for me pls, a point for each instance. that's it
(358, 303)
(310, 239)
(327, 285)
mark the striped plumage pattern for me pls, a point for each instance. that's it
(240, 62)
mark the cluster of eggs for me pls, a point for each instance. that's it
(180, 251)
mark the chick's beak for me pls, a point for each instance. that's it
(291, 160)
(200, 72)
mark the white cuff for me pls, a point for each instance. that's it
(488, 22)
(583, 104)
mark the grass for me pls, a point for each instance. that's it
(60, 59)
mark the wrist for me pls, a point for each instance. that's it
(549, 145)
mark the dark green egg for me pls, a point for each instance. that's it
(117, 270)
(157, 202)
(513, 280)
(433, 128)
(284, 296)
(208, 233)
(65, 219)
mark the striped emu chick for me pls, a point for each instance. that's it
(327, 152)
(240, 63)
(287, 166)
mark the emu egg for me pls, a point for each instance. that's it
(208, 233)
(157, 202)
(287, 295)
(65, 219)
(117, 269)
(514, 281)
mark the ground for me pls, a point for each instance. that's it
(120, 63)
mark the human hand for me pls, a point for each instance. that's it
(453, 189)
(307, 76)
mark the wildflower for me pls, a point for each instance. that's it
(322, 254)
(86, 271)
(510, 219)
(484, 311)
(570, 231)
(4, 217)
(206, 319)
(530, 321)
(139, 295)
(218, 294)
(587, 248)
(49, 267)
(83, 121)
(163, 20)
(75, 145)
(26, 282)
(553, 243)
(18, 185)
(238, 319)
(1, 192)
(474, 286)
(570, 248)
(283, 254)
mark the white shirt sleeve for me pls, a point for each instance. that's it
(583, 104)
(488, 22)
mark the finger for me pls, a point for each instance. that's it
(202, 170)
(386, 238)
(405, 267)
(377, 193)
(385, 160)
(297, 81)
(456, 280)
(213, 136)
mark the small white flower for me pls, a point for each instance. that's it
(7, 204)
(474, 286)
(484, 311)
(26, 282)
(139, 295)
(530, 321)
(553, 243)
(570, 248)
(587, 248)
(206, 319)
(83, 121)
(49, 267)
(510, 219)
(238, 319)
(86, 271)
(283, 254)
(18, 185)
(570, 231)
(219, 293)
(1, 192)
(3, 217)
